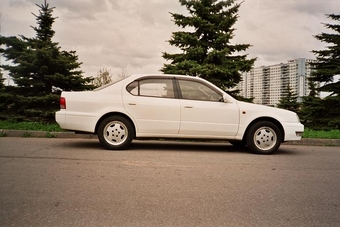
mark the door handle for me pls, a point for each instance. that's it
(188, 107)
(132, 104)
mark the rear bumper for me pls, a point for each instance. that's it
(76, 121)
(60, 118)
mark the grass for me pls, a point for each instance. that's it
(332, 134)
(34, 126)
(37, 126)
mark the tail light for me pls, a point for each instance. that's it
(62, 103)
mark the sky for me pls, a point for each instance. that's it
(129, 36)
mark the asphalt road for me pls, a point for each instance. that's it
(75, 182)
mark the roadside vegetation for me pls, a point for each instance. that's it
(34, 126)
(321, 134)
(53, 127)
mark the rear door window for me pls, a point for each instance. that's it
(152, 87)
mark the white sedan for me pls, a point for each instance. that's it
(175, 107)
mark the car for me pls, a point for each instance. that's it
(149, 106)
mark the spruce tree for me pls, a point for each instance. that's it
(326, 67)
(39, 63)
(312, 112)
(328, 60)
(289, 101)
(1, 79)
(205, 43)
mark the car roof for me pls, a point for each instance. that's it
(136, 76)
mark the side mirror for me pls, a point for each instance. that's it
(225, 98)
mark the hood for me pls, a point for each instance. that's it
(279, 114)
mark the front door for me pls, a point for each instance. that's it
(203, 112)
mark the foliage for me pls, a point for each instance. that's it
(289, 101)
(103, 77)
(34, 126)
(206, 51)
(321, 134)
(1, 79)
(312, 113)
(241, 98)
(123, 74)
(328, 61)
(36, 65)
(15, 105)
(327, 66)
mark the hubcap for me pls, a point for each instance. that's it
(265, 138)
(115, 133)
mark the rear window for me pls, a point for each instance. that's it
(109, 84)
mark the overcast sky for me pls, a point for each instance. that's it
(132, 34)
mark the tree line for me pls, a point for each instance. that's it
(314, 111)
(37, 65)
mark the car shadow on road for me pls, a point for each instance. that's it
(185, 146)
(163, 145)
(199, 147)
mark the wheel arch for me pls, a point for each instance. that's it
(115, 114)
(270, 119)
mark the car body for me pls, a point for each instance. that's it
(177, 107)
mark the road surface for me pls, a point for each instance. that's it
(75, 182)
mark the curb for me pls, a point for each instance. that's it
(42, 134)
(315, 142)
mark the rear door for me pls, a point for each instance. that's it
(152, 104)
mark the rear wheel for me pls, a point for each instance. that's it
(264, 137)
(115, 133)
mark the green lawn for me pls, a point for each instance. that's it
(332, 134)
(37, 126)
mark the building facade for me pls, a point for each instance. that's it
(267, 84)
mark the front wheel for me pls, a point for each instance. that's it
(115, 133)
(264, 137)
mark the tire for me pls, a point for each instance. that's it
(115, 133)
(264, 137)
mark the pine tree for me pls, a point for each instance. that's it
(1, 79)
(206, 46)
(39, 63)
(328, 61)
(310, 107)
(327, 66)
(289, 101)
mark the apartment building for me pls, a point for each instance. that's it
(267, 84)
